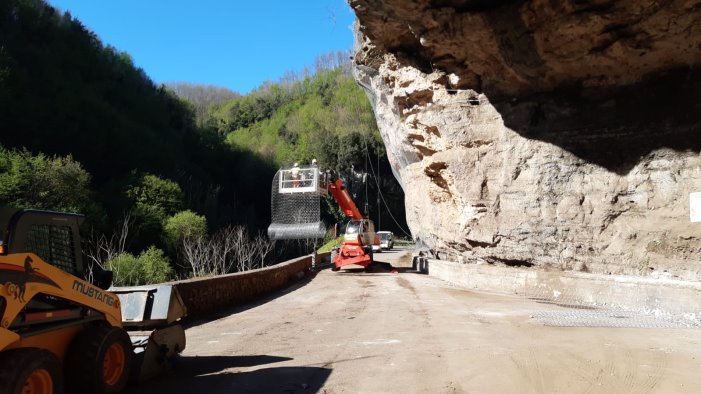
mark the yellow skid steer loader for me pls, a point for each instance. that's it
(59, 331)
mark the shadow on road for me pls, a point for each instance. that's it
(377, 267)
(363, 272)
(248, 305)
(265, 380)
(193, 366)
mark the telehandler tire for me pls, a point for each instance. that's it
(99, 361)
(30, 371)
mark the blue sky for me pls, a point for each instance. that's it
(237, 44)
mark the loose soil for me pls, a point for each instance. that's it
(381, 332)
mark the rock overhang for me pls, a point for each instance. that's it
(535, 131)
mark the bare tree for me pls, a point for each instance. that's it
(196, 252)
(261, 247)
(229, 249)
(243, 252)
(224, 245)
(100, 249)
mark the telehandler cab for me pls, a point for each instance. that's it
(58, 329)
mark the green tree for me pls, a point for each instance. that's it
(183, 225)
(153, 200)
(126, 269)
(42, 182)
(162, 194)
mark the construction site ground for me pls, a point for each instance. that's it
(382, 332)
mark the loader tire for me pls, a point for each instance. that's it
(30, 370)
(99, 361)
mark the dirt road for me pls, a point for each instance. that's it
(357, 332)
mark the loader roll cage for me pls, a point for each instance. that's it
(50, 235)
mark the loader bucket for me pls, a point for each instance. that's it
(154, 351)
(155, 309)
(150, 306)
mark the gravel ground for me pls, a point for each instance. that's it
(382, 332)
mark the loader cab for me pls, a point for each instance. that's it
(53, 236)
(365, 228)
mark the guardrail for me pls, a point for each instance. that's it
(204, 296)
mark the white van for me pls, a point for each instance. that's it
(386, 239)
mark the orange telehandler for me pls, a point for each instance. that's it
(294, 190)
(360, 232)
(56, 328)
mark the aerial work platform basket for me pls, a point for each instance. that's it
(296, 204)
(301, 180)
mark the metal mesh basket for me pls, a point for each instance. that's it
(296, 205)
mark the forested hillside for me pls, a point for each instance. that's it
(84, 130)
(201, 97)
(324, 116)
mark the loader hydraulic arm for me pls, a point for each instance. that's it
(344, 200)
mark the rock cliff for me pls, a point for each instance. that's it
(561, 134)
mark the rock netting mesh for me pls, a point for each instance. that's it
(295, 215)
(578, 317)
(574, 311)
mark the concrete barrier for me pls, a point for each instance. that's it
(203, 296)
(649, 295)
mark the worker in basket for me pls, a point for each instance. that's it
(295, 175)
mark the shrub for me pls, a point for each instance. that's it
(126, 269)
(44, 182)
(155, 265)
(152, 266)
(185, 224)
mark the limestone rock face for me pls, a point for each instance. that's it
(560, 134)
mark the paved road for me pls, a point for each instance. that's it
(357, 332)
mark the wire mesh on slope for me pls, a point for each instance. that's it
(578, 317)
(577, 311)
